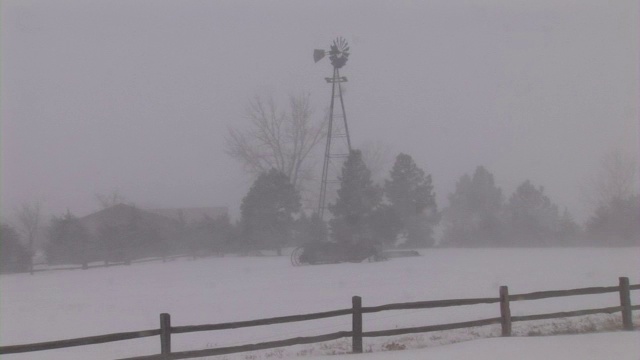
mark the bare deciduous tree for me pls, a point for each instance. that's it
(616, 179)
(282, 140)
(378, 156)
(28, 217)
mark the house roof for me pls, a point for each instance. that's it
(122, 214)
(191, 215)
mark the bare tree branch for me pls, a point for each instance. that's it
(616, 179)
(379, 159)
(29, 216)
(277, 139)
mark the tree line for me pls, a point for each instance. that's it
(119, 233)
(400, 212)
(397, 211)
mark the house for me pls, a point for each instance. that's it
(124, 232)
(122, 215)
(191, 215)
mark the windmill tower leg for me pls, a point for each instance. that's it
(335, 130)
(344, 113)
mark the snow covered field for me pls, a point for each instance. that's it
(67, 304)
(584, 347)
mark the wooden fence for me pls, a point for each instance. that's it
(356, 333)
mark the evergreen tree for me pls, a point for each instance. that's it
(386, 225)
(132, 236)
(224, 233)
(410, 192)
(201, 236)
(267, 211)
(209, 235)
(69, 241)
(532, 218)
(357, 199)
(14, 256)
(311, 229)
(474, 215)
(569, 232)
(616, 223)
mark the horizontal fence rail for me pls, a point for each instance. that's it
(424, 329)
(89, 340)
(260, 322)
(560, 293)
(564, 314)
(357, 334)
(429, 304)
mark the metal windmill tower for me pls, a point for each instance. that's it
(338, 142)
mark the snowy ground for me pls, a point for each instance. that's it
(67, 304)
(584, 347)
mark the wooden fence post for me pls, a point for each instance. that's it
(625, 302)
(505, 311)
(165, 334)
(357, 324)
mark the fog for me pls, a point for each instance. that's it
(137, 96)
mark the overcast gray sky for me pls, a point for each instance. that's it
(137, 95)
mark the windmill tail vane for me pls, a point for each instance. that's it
(318, 55)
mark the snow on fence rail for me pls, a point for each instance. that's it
(356, 333)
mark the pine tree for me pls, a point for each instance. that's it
(474, 216)
(209, 235)
(616, 223)
(129, 233)
(201, 236)
(412, 199)
(357, 199)
(532, 218)
(386, 225)
(311, 229)
(267, 211)
(569, 232)
(14, 256)
(69, 241)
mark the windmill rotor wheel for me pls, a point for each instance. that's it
(339, 52)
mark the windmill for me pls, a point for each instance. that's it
(338, 142)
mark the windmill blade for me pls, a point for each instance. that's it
(340, 44)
